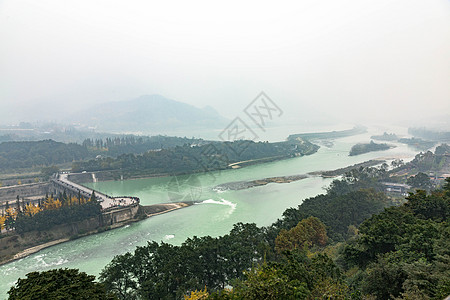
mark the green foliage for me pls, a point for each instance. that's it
(296, 276)
(405, 251)
(58, 284)
(420, 181)
(118, 145)
(46, 219)
(160, 271)
(194, 158)
(309, 232)
(424, 162)
(434, 206)
(15, 155)
(46, 172)
(364, 148)
(442, 149)
(348, 202)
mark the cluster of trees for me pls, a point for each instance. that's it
(26, 154)
(10, 213)
(403, 251)
(420, 181)
(59, 284)
(195, 158)
(48, 213)
(425, 162)
(385, 137)
(364, 148)
(15, 155)
(114, 146)
(164, 271)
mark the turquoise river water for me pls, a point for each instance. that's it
(214, 215)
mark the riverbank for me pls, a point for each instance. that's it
(241, 185)
(18, 246)
(341, 171)
(119, 175)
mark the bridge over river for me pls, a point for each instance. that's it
(62, 183)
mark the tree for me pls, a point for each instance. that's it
(270, 282)
(31, 210)
(308, 233)
(197, 295)
(420, 181)
(58, 284)
(118, 276)
(2, 222)
(46, 172)
(93, 197)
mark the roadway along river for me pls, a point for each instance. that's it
(214, 215)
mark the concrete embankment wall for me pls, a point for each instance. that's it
(15, 243)
(10, 193)
(120, 214)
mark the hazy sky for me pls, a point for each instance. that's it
(312, 57)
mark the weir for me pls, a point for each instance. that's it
(61, 183)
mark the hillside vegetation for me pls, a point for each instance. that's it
(198, 158)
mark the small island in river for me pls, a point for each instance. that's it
(364, 148)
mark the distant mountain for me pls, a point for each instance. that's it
(149, 114)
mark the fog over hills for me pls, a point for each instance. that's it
(147, 114)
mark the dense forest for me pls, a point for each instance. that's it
(364, 148)
(14, 155)
(115, 146)
(349, 243)
(196, 158)
(429, 161)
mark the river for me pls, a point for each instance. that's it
(215, 214)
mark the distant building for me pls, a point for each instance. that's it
(396, 187)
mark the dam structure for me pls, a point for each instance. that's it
(114, 209)
(61, 183)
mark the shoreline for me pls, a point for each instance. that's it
(161, 209)
(242, 185)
